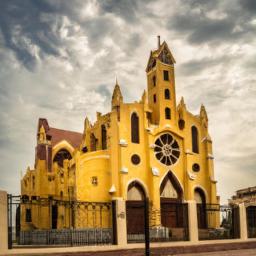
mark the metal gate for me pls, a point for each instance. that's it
(87, 223)
(13, 220)
(251, 221)
(218, 221)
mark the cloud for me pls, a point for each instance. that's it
(59, 60)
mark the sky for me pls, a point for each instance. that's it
(59, 59)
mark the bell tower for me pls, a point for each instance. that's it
(161, 85)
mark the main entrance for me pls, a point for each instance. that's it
(174, 213)
(171, 199)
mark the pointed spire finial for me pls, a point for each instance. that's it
(158, 42)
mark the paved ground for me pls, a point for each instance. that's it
(247, 252)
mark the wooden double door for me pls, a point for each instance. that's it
(173, 213)
(135, 217)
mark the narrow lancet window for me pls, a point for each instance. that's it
(103, 137)
(93, 142)
(167, 94)
(194, 134)
(167, 113)
(135, 136)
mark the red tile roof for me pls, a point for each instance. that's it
(74, 138)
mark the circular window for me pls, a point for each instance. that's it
(196, 167)
(135, 159)
(167, 149)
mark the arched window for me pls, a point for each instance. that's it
(167, 94)
(154, 80)
(93, 142)
(170, 188)
(62, 155)
(194, 134)
(167, 113)
(135, 192)
(135, 135)
(103, 137)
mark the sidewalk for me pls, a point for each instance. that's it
(246, 252)
(203, 248)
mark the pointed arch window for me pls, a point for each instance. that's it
(135, 136)
(167, 94)
(167, 113)
(154, 80)
(103, 137)
(135, 192)
(93, 142)
(166, 75)
(62, 155)
(194, 134)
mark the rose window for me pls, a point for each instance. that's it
(167, 149)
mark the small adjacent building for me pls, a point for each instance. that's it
(247, 197)
(152, 148)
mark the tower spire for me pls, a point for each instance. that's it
(117, 97)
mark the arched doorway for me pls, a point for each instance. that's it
(170, 200)
(200, 199)
(135, 208)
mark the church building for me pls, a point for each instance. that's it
(153, 148)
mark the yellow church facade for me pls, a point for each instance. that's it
(153, 148)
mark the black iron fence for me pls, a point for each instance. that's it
(48, 221)
(251, 221)
(69, 237)
(218, 222)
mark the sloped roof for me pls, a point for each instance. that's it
(57, 135)
(156, 53)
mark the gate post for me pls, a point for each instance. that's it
(243, 221)
(3, 222)
(121, 230)
(192, 221)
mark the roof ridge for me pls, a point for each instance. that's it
(65, 130)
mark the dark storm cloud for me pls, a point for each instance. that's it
(103, 89)
(21, 27)
(249, 5)
(197, 66)
(28, 24)
(125, 9)
(195, 23)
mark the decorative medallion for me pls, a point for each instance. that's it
(167, 149)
